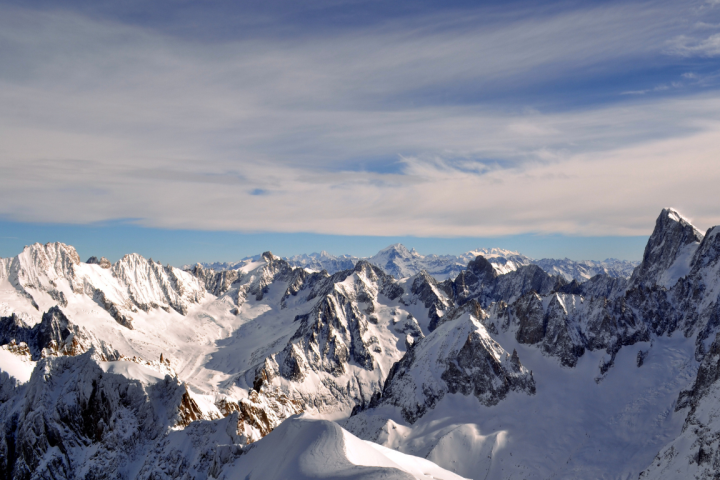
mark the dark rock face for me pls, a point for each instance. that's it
(707, 376)
(301, 283)
(529, 311)
(530, 278)
(14, 328)
(707, 254)
(469, 283)
(54, 335)
(560, 338)
(458, 357)
(102, 261)
(671, 235)
(565, 325)
(480, 282)
(214, 282)
(425, 288)
(598, 286)
(478, 372)
(432, 296)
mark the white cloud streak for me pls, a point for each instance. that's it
(707, 47)
(101, 121)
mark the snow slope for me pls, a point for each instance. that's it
(572, 427)
(314, 448)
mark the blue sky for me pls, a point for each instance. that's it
(556, 129)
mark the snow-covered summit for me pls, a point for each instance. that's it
(314, 448)
(669, 251)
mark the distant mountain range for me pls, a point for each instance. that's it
(398, 261)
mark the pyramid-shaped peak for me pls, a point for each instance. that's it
(397, 250)
(671, 220)
(669, 250)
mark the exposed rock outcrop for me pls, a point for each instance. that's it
(55, 335)
(458, 357)
(668, 252)
(77, 417)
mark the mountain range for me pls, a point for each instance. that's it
(275, 368)
(400, 262)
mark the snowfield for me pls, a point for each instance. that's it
(305, 448)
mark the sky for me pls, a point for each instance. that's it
(210, 131)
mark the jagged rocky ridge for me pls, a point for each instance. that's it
(290, 340)
(48, 274)
(398, 261)
(80, 418)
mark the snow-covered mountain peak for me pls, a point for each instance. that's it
(397, 249)
(669, 215)
(397, 260)
(269, 257)
(669, 251)
(38, 264)
(673, 214)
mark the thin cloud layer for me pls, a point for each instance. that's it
(102, 120)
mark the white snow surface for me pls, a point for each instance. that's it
(680, 267)
(304, 448)
(132, 371)
(17, 367)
